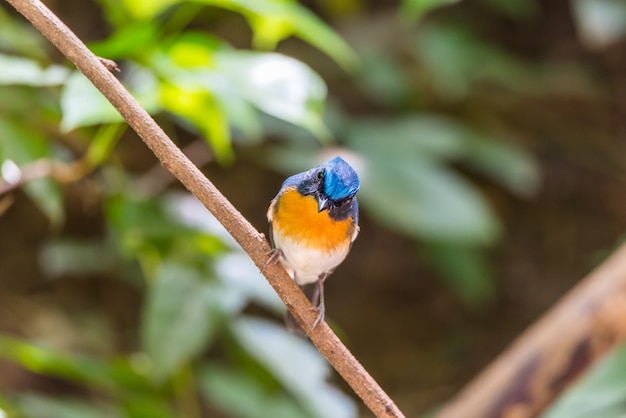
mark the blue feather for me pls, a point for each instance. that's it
(340, 180)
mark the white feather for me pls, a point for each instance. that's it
(307, 263)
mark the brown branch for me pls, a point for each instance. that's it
(588, 322)
(32, 171)
(38, 169)
(253, 242)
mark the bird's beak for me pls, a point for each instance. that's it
(322, 203)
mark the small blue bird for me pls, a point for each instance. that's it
(314, 219)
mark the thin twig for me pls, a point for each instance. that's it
(253, 242)
(38, 169)
(110, 65)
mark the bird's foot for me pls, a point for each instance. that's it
(293, 325)
(274, 255)
(320, 317)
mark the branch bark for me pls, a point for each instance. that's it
(253, 242)
(547, 358)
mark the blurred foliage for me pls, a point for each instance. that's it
(197, 281)
(422, 141)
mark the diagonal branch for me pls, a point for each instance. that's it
(253, 242)
(556, 350)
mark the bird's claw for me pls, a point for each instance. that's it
(320, 317)
(274, 255)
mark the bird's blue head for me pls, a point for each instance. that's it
(340, 179)
(330, 183)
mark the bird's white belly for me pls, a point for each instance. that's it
(308, 263)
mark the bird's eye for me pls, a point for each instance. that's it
(320, 174)
(345, 201)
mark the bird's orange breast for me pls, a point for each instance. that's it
(297, 217)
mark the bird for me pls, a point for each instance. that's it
(314, 219)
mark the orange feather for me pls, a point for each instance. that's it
(297, 217)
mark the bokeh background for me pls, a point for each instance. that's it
(489, 136)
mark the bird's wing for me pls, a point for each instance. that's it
(355, 232)
(270, 213)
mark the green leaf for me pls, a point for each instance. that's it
(74, 367)
(237, 393)
(48, 197)
(156, 406)
(408, 186)
(128, 41)
(37, 406)
(83, 105)
(599, 393)
(449, 54)
(65, 257)
(416, 9)
(140, 225)
(24, 71)
(189, 212)
(7, 407)
(22, 144)
(200, 107)
(239, 273)
(296, 364)
(193, 90)
(275, 20)
(213, 89)
(146, 231)
(278, 85)
(103, 143)
(192, 50)
(425, 135)
(21, 38)
(383, 77)
(271, 21)
(183, 312)
(240, 113)
(147, 9)
(507, 165)
(421, 197)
